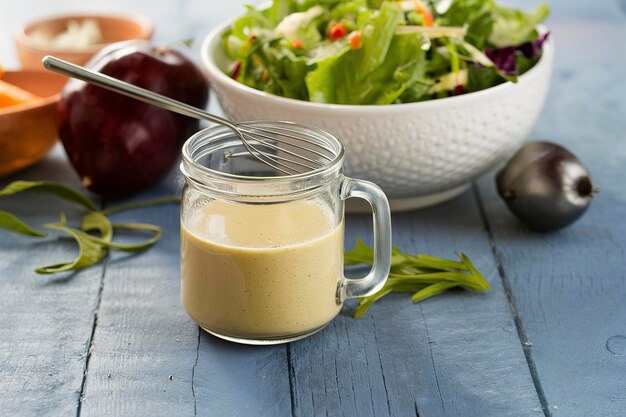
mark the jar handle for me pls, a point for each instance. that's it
(374, 280)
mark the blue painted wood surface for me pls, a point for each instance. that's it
(45, 323)
(550, 338)
(569, 288)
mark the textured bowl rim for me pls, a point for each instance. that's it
(215, 73)
(20, 36)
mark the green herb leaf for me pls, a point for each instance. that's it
(13, 224)
(361, 254)
(89, 251)
(366, 302)
(422, 275)
(60, 190)
(92, 249)
(432, 290)
(95, 220)
(480, 281)
(431, 262)
(134, 247)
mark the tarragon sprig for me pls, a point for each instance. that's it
(422, 275)
(94, 237)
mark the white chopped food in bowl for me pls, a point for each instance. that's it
(77, 36)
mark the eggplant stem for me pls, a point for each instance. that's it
(509, 195)
(585, 188)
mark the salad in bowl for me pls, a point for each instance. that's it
(425, 96)
(381, 52)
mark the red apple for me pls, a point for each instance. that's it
(119, 145)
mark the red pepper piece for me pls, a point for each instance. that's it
(236, 68)
(337, 31)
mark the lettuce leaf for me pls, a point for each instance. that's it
(403, 67)
(403, 70)
(476, 15)
(378, 72)
(285, 69)
(480, 78)
(278, 10)
(489, 24)
(251, 19)
(513, 27)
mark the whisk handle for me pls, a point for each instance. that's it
(353, 288)
(105, 81)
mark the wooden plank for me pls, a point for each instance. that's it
(145, 346)
(230, 379)
(570, 287)
(144, 336)
(239, 380)
(46, 321)
(456, 354)
(132, 379)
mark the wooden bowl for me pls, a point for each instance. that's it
(28, 131)
(114, 29)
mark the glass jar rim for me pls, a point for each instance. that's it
(201, 174)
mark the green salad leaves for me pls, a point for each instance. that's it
(380, 52)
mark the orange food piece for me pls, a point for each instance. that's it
(428, 18)
(354, 40)
(426, 14)
(11, 95)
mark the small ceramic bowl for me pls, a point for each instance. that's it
(114, 29)
(420, 153)
(28, 131)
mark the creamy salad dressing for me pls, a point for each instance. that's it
(261, 271)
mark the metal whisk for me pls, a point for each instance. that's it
(277, 145)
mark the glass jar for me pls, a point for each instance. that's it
(262, 253)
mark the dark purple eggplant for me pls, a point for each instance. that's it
(545, 186)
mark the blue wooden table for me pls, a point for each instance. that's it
(549, 338)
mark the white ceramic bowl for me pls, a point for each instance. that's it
(421, 153)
